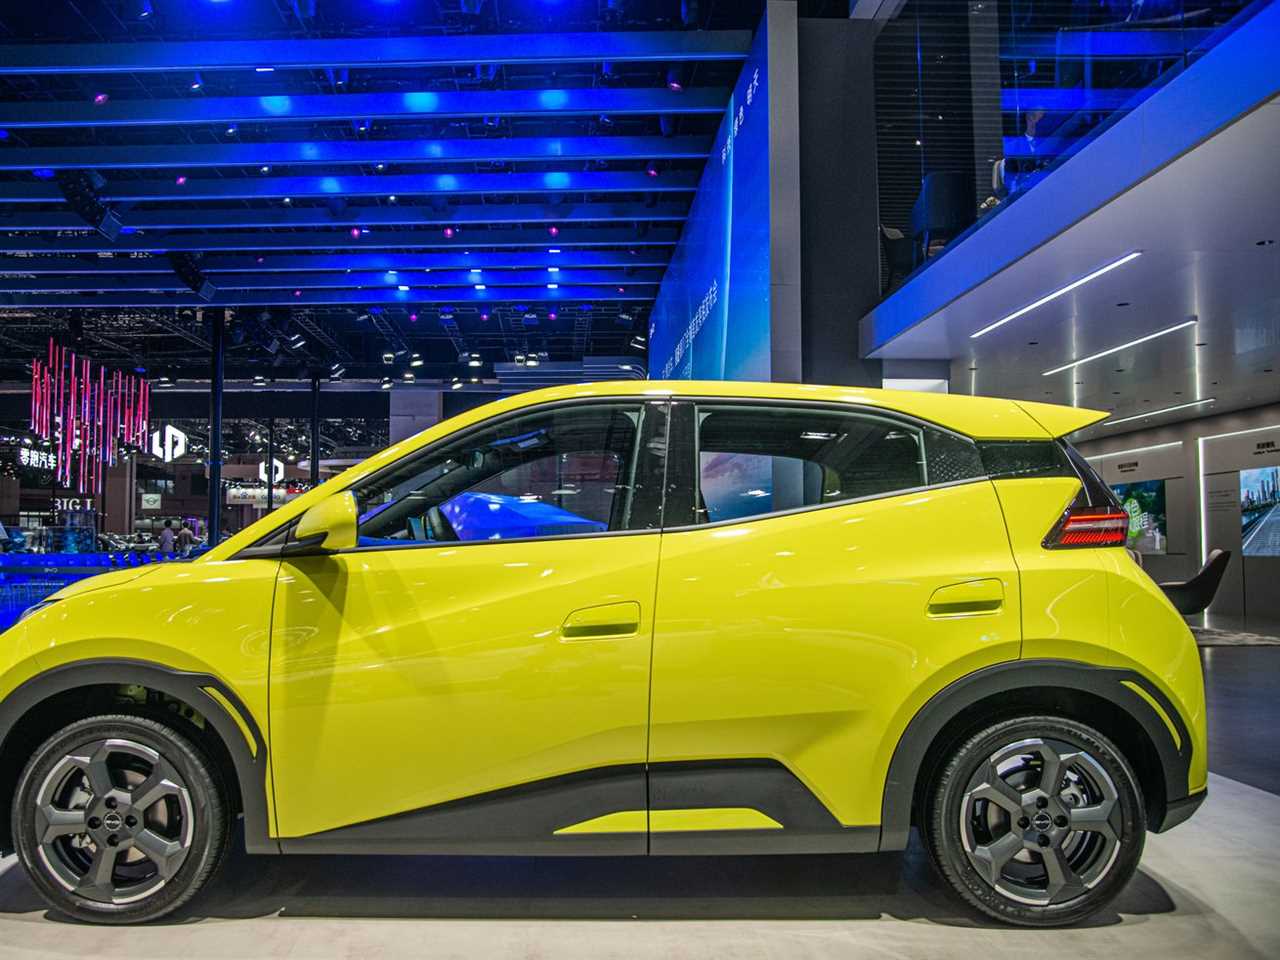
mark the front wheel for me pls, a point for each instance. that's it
(119, 819)
(1037, 821)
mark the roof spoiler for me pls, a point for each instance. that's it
(1059, 420)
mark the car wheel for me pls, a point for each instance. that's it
(119, 819)
(1037, 821)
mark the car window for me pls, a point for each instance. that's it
(561, 471)
(756, 459)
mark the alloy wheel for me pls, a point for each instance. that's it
(1041, 821)
(114, 821)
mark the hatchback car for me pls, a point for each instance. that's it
(656, 618)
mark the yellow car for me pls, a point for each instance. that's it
(654, 618)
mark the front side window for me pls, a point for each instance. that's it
(756, 459)
(561, 471)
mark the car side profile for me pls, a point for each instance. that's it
(628, 619)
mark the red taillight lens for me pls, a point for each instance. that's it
(1089, 527)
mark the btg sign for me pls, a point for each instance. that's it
(169, 445)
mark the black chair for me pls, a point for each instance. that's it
(944, 209)
(1194, 596)
(898, 255)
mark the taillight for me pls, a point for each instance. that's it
(1089, 527)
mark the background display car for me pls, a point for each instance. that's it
(658, 618)
(1144, 502)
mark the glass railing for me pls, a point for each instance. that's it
(979, 101)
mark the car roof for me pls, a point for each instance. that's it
(983, 418)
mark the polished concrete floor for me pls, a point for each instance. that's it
(1208, 889)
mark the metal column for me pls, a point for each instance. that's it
(315, 431)
(216, 338)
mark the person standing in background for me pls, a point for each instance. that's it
(186, 540)
(167, 539)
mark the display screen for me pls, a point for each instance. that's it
(1148, 526)
(711, 317)
(1259, 516)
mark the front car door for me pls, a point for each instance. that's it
(826, 571)
(474, 676)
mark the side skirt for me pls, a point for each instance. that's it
(559, 817)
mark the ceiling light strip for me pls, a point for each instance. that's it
(1156, 413)
(1123, 346)
(1107, 268)
(1125, 453)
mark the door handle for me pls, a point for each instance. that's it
(972, 598)
(608, 621)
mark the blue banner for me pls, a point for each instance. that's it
(711, 318)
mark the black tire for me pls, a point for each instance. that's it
(165, 797)
(1095, 827)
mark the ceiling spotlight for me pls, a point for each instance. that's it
(553, 269)
(532, 360)
(651, 168)
(287, 201)
(196, 82)
(481, 286)
(553, 250)
(402, 287)
(379, 167)
(553, 286)
(675, 79)
(415, 359)
(553, 315)
(297, 293)
(456, 385)
(232, 130)
(519, 358)
(391, 198)
(100, 98)
(484, 316)
(413, 318)
(181, 179)
(553, 230)
(388, 357)
(474, 360)
(265, 168)
(355, 233)
(408, 376)
(386, 383)
(164, 381)
(259, 380)
(449, 233)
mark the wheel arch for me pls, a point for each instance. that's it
(230, 729)
(1105, 698)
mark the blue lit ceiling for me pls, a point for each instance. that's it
(499, 177)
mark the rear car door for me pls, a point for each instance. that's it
(824, 571)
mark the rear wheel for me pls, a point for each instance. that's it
(119, 819)
(1037, 821)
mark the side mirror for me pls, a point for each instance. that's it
(327, 527)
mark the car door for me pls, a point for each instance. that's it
(475, 674)
(823, 571)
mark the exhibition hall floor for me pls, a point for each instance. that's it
(1207, 889)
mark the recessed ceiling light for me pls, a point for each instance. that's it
(1264, 243)
(1105, 268)
(1123, 303)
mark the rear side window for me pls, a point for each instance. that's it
(756, 459)
(1007, 459)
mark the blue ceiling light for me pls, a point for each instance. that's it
(196, 83)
